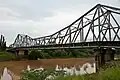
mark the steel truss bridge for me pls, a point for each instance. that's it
(99, 27)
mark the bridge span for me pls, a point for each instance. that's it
(97, 27)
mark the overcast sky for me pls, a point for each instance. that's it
(42, 17)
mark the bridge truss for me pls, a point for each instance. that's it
(100, 26)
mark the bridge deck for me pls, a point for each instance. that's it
(91, 45)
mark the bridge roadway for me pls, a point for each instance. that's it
(88, 45)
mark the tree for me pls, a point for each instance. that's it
(2, 43)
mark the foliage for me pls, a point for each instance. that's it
(78, 52)
(6, 56)
(34, 55)
(61, 53)
(46, 74)
(73, 78)
(110, 72)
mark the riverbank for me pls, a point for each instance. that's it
(17, 66)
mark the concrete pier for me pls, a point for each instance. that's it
(102, 56)
(21, 52)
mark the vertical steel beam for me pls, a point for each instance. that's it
(59, 33)
(70, 39)
(93, 32)
(99, 23)
(82, 31)
(44, 41)
(109, 26)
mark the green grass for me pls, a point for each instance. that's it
(110, 74)
(73, 78)
(4, 56)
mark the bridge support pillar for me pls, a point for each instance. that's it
(103, 56)
(21, 52)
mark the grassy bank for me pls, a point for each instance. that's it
(6, 56)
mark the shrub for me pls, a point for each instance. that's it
(46, 74)
(60, 54)
(34, 55)
(78, 52)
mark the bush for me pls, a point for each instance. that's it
(34, 55)
(60, 54)
(78, 52)
(41, 74)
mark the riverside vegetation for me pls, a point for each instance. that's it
(108, 72)
(65, 53)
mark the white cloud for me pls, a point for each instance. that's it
(8, 14)
(11, 24)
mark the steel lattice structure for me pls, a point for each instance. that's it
(99, 24)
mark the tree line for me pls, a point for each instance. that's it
(60, 53)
